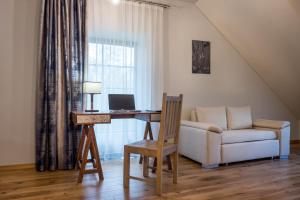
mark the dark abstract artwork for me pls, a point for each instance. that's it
(201, 57)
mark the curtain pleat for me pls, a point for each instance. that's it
(61, 62)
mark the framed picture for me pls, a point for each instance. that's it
(201, 57)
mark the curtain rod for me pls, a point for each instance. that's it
(151, 3)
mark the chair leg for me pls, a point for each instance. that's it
(169, 162)
(175, 167)
(145, 166)
(159, 175)
(154, 165)
(126, 172)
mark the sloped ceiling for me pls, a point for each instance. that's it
(267, 34)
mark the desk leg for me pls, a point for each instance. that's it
(96, 155)
(84, 160)
(80, 148)
(150, 131)
(147, 130)
(88, 143)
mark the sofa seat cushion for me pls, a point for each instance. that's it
(246, 135)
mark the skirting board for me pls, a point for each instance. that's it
(18, 166)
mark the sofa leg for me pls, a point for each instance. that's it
(212, 166)
(284, 157)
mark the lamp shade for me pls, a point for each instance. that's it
(92, 87)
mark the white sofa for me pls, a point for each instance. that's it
(219, 135)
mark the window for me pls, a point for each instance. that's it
(113, 63)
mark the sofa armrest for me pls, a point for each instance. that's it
(272, 124)
(282, 129)
(202, 125)
(200, 145)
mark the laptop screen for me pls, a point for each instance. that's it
(121, 102)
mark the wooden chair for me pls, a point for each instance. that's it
(166, 145)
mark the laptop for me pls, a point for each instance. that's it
(122, 103)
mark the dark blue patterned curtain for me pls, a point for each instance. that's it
(61, 62)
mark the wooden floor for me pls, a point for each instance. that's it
(262, 179)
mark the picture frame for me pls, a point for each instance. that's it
(201, 57)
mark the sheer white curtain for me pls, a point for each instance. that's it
(126, 55)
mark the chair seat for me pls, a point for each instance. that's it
(149, 147)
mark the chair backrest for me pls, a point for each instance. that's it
(170, 118)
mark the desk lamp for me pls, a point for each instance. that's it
(92, 88)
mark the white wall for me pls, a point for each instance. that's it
(19, 21)
(232, 80)
(266, 33)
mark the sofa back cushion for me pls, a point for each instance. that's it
(194, 116)
(215, 115)
(239, 117)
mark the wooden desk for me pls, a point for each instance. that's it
(88, 140)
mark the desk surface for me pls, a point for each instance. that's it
(82, 118)
(117, 112)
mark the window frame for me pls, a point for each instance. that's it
(112, 42)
